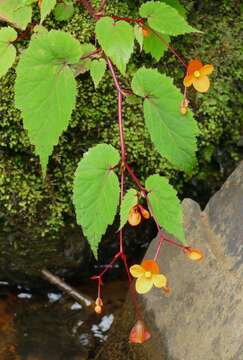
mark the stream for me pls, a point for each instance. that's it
(54, 326)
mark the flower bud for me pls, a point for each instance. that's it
(183, 110)
(99, 301)
(146, 32)
(145, 213)
(98, 309)
(194, 254)
(139, 334)
(134, 217)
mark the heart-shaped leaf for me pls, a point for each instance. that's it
(116, 39)
(46, 89)
(97, 70)
(96, 192)
(164, 18)
(173, 134)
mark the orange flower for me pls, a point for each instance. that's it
(197, 75)
(194, 254)
(147, 274)
(139, 334)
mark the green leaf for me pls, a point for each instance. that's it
(165, 205)
(116, 39)
(129, 201)
(39, 30)
(173, 134)
(7, 50)
(46, 7)
(84, 65)
(96, 192)
(165, 19)
(154, 46)
(176, 5)
(138, 33)
(46, 89)
(16, 12)
(97, 70)
(63, 12)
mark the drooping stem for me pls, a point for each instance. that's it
(161, 240)
(121, 133)
(121, 198)
(135, 178)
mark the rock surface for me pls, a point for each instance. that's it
(203, 316)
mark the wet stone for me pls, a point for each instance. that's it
(203, 316)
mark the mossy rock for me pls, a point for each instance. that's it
(38, 226)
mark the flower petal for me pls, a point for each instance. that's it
(150, 265)
(206, 70)
(143, 285)
(201, 84)
(136, 271)
(193, 65)
(188, 80)
(159, 280)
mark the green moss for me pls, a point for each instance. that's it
(43, 209)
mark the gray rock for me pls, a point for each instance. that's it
(203, 317)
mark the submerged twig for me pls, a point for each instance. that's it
(55, 280)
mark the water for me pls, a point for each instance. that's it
(54, 326)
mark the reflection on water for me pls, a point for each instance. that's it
(55, 327)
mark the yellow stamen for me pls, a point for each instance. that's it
(148, 274)
(197, 74)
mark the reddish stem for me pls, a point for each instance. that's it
(116, 82)
(26, 33)
(121, 133)
(132, 290)
(135, 178)
(172, 242)
(121, 198)
(138, 21)
(88, 6)
(167, 45)
(91, 54)
(161, 240)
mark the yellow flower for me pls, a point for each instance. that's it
(147, 274)
(197, 75)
